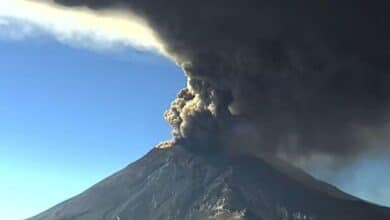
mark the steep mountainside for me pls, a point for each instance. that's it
(175, 184)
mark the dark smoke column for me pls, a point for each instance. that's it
(291, 78)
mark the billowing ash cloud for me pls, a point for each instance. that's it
(292, 78)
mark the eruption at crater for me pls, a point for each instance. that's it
(265, 79)
(294, 79)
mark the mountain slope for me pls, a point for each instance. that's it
(176, 184)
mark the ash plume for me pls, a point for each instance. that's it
(290, 78)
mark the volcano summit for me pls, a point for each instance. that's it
(175, 184)
(286, 79)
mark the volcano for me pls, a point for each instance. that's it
(177, 184)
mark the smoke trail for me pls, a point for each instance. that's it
(292, 78)
(103, 30)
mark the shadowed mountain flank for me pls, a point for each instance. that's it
(297, 80)
(175, 183)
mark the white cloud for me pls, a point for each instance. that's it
(20, 19)
(16, 30)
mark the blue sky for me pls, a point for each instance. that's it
(70, 117)
(80, 100)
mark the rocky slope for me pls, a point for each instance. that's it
(175, 184)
